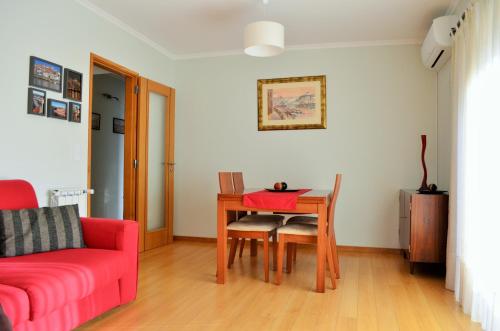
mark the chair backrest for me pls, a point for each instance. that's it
(239, 186)
(333, 202)
(226, 183)
(17, 194)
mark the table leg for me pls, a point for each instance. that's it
(253, 247)
(321, 253)
(221, 241)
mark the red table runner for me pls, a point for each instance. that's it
(273, 200)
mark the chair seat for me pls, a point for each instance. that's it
(310, 220)
(299, 229)
(264, 226)
(262, 218)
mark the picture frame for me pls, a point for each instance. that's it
(118, 125)
(293, 103)
(57, 109)
(45, 74)
(96, 121)
(36, 101)
(75, 112)
(72, 85)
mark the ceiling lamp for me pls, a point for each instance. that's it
(264, 38)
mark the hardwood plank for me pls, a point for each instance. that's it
(348, 310)
(375, 292)
(367, 310)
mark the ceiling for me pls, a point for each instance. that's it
(191, 27)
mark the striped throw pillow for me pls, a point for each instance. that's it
(29, 231)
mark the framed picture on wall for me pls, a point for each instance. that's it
(36, 102)
(45, 74)
(96, 121)
(118, 125)
(292, 103)
(72, 85)
(57, 109)
(75, 112)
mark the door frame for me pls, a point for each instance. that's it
(156, 238)
(130, 144)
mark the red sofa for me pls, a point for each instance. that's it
(60, 290)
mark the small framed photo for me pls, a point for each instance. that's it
(36, 102)
(96, 121)
(72, 85)
(75, 112)
(45, 74)
(118, 125)
(57, 109)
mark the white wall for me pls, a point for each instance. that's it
(379, 101)
(460, 7)
(47, 152)
(108, 148)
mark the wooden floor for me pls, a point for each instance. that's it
(177, 291)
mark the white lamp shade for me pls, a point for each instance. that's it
(264, 38)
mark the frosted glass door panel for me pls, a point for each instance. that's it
(156, 161)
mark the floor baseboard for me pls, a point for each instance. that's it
(195, 239)
(362, 249)
(341, 248)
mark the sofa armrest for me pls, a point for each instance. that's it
(116, 235)
(111, 234)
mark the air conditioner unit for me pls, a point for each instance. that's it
(436, 49)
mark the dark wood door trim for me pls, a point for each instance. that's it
(130, 152)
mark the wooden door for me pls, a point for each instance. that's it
(130, 136)
(155, 148)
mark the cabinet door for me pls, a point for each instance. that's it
(429, 225)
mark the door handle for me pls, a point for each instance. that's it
(171, 166)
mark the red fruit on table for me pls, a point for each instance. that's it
(278, 186)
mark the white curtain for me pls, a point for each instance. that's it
(473, 261)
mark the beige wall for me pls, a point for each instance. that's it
(379, 99)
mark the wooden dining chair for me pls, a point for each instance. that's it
(239, 187)
(313, 220)
(303, 230)
(250, 227)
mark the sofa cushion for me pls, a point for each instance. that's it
(53, 279)
(15, 304)
(28, 231)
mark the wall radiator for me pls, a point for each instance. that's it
(68, 196)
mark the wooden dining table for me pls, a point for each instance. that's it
(311, 202)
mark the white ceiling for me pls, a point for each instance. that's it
(190, 27)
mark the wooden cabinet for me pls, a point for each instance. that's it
(423, 226)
